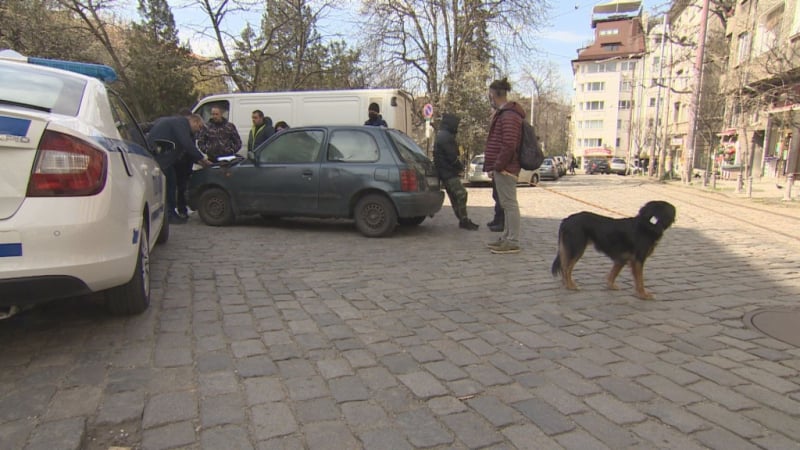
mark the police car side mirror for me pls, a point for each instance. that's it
(164, 146)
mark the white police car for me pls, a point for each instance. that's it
(81, 197)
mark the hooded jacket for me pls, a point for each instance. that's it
(260, 134)
(445, 149)
(505, 135)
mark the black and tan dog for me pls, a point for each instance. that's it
(626, 241)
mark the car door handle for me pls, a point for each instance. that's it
(308, 173)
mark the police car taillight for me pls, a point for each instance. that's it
(67, 166)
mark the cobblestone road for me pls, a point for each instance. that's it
(304, 334)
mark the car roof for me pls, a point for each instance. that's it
(72, 68)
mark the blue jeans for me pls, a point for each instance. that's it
(507, 194)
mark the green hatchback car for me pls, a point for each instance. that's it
(378, 177)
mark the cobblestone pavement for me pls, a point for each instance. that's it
(304, 334)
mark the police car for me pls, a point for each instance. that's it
(82, 198)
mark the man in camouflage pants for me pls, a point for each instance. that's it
(450, 168)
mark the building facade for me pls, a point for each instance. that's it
(761, 132)
(605, 82)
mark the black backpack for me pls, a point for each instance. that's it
(530, 151)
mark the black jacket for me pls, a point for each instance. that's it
(175, 129)
(264, 132)
(445, 149)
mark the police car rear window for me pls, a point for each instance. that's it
(25, 86)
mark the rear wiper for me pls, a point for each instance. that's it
(25, 105)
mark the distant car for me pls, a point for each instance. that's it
(475, 173)
(618, 166)
(529, 177)
(598, 166)
(82, 197)
(548, 170)
(376, 176)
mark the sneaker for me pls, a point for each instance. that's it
(495, 244)
(505, 247)
(468, 225)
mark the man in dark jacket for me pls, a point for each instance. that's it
(220, 137)
(501, 160)
(261, 131)
(375, 118)
(181, 131)
(449, 168)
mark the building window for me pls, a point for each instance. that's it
(796, 22)
(625, 104)
(602, 67)
(769, 29)
(627, 65)
(657, 39)
(656, 62)
(594, 106)
(676, 111)
(594, 124)
(590, 142)
(609, 32)
(596, 86)
(617, 142)
(652, 102)
(619, 124)
(651, 122)
(610, 47)
(743, 44)
(626, 86)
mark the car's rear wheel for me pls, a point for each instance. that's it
(133, 297)
(411, 221)
(534, 181)
(215, 208)
(375, 216)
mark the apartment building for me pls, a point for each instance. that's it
(762, 88)
(604, 82)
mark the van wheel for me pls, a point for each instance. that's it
(133, 297)
(375, 216)
(215, 208)
(411, 221)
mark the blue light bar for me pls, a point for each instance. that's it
(99, 71)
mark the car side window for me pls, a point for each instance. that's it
(352, 146)
(127, 127)
(205, 109)
(293, 147)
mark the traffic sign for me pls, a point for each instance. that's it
(427, 111)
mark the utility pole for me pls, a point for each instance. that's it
(658, 103)
(697, 72)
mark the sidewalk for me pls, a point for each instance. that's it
(765, 190)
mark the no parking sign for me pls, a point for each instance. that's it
(427, 111)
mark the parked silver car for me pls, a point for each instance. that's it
(476, 175)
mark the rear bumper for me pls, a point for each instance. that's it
(30, 291)
(418, 204)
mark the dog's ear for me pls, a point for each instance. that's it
(656, 216)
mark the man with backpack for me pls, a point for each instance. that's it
(501, 161)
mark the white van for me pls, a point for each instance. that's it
(301, 108)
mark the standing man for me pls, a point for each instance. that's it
(375, 118)
(501, 160)
(181, 131)
(220, 138)
(449, 169)
(261, 131)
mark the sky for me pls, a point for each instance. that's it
(569, 29)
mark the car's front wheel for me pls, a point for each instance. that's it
(133, 297)
(375, 216)
(215, 208)
(534, 181)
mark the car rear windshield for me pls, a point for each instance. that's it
(409, 151)
(26, 86)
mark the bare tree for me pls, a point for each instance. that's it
(438, 40)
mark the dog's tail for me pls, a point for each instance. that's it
(556, 268)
